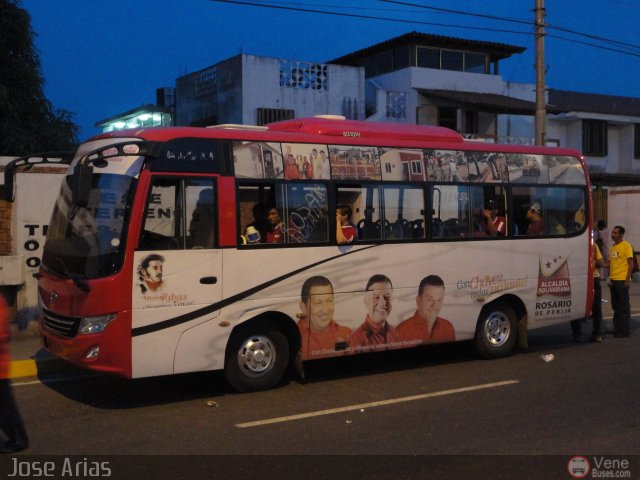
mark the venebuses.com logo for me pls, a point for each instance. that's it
(599, 467)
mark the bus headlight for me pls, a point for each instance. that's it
(90, 325)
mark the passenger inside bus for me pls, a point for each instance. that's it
(346, 231)
(276, 232)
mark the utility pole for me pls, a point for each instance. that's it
(541, 113)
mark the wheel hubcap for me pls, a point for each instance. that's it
(257, 356)
(497, 329)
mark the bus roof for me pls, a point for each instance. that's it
(334, 129)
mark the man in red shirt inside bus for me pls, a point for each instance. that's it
(276, 234)
(321, 335)
(426, 325)
(346, 231)
(496, 224)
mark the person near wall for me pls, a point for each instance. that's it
(620, 268)
(11, 422)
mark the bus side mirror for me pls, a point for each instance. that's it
(81, 185)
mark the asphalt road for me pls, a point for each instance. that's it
(407, 411)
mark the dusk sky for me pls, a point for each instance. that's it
(100, 58)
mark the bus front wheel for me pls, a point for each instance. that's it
(496, 331)
(257, 359)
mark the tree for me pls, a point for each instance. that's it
(28, 121)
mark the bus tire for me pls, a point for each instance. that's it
(257, 358)
(497, 330)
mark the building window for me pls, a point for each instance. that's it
(440, 59)
(470, 122)
(448, 117)
(269, 115)
(304, 75)
(401, 57)
(396, 105)
(594, 138)
(636, 140)
(428, 57)
(475, 62)
(452, 60)
(205, 84)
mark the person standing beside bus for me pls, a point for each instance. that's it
(10, 419)
(596, 306)
(601, 237)
(620, 267)
(426, 325)
(375, 333)
(321, 335)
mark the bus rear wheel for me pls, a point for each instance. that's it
(257, 359)
(496, 331)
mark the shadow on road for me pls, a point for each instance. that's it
(108, 392)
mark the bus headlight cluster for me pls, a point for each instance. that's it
(90, 325)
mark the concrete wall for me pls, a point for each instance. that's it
(623, 203)
(232, 91)
(307, 88)
(28, 218)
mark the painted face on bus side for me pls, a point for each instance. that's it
(378, 300)
(319, 309)
(430, 302)
(154, 271)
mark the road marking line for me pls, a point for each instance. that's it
(21, 384)
(380, 403)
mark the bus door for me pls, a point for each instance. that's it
(177, 270)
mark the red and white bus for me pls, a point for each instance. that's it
(176, 250)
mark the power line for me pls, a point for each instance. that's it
(513, 20)
(458, 12)
(366, 17)
(285, 6)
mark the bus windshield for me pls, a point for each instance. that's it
(89, 242)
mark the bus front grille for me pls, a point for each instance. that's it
(61, 325)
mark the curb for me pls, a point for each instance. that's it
(23, 368)
(40, 366)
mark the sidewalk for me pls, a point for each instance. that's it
(30, 359)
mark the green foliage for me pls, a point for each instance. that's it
(28, 121)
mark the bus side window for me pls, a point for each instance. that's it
(307, 215)
(203, 216)
(451, 206)
(403, 212)
(180, 214)
(528, 203)
(161, 224)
